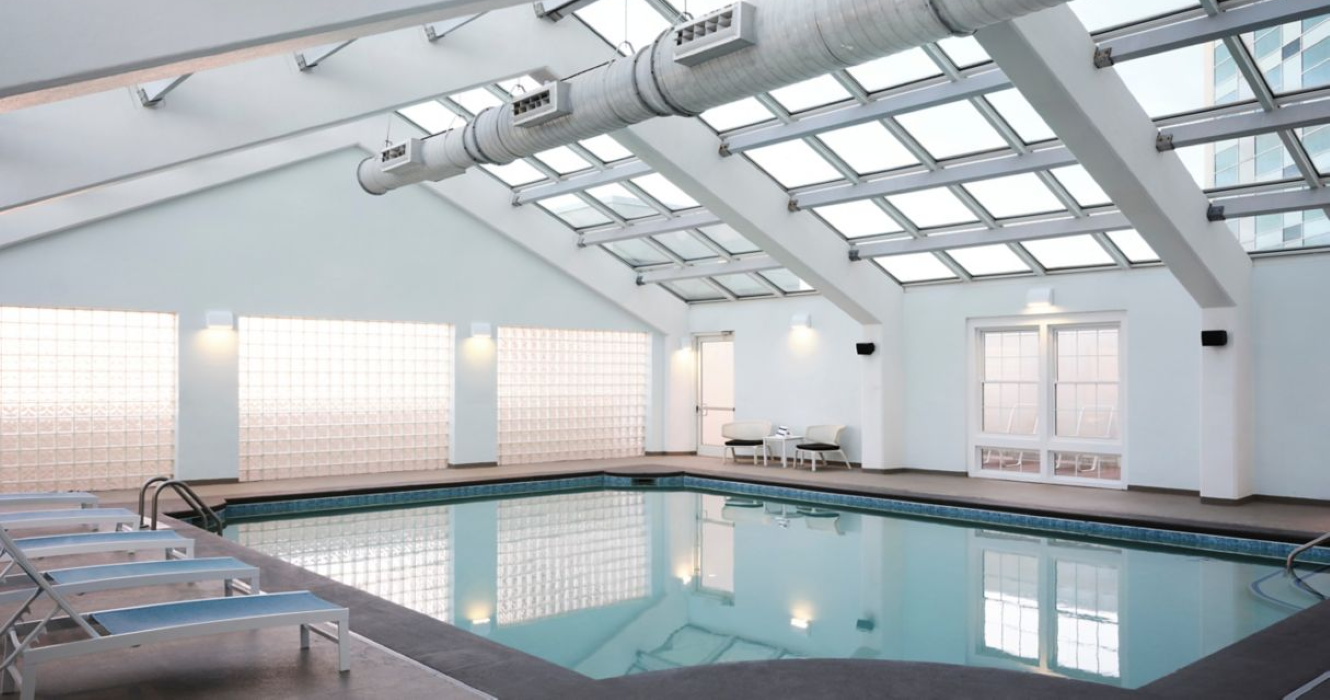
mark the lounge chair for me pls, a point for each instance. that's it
(823, 440)
(81, 580)
(750, 433)
(53, 498)
(71, 517)
(123, 628)
(172, 544)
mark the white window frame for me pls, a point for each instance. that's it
(1045, 442)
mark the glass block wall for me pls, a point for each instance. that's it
(558, 554)
(566, 394)
(403, 556)
(326, 398)
(87, 398)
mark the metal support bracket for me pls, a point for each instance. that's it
(1215, 213)
(312, 57)
(151, 94)
(1103, 57)
(1164, 142)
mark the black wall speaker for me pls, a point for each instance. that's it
(1214, 339)
(865, 348)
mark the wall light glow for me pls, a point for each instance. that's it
(1039, 299)
(801, 624)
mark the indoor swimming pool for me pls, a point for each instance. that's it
(615, 582)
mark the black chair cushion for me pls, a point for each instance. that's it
(743, 443)
(817, 446)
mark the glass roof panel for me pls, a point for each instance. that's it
(697, 8)
(606, 148)
(1083, 188)
(563, 160)
(1021, 115)
(634, 21)
(518, 172)
(745, 112)
(431, 116)
(694, 290)
(1288, 231)
(794, 164)
(820, 91)
(1290, 59)
(665, 192)
(1102, 14)
(1172, 82)
(868, 148)
(1069, 252)
(786, 280)
(915, 267)
(476, 100)
(573, 211)
(637, 252)
(951, 130)
(996, 259)
(1316, 140)
(729, 239)
(858, 219)
(932, 208)
(964, 51)
(1236, 162)
(1133, 246)
(686, 245)
(520, 85)
(624, 203)
(896, 69)
(1014, 195)
(743, 285)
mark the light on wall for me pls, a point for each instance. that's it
(220, 320)
(801, 624)
(1039, 298)
(801, 321)
(482, 329)
(481, 626)
(686, 343)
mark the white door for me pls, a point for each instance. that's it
(715, 391)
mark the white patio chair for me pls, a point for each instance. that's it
(822, 440)
(745, 434)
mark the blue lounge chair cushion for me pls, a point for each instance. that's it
(132, 537)
(70, 513)
(8, 498)
(143, 568)
(193, 612)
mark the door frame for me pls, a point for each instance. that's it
(698, 339)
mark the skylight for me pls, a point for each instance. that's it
(932, 208)
(1014, 195)
(868, 148)
(995, 259)
(915, 267)
(819, 91)
(1069, 252)
(858, 219)
(894, 70)
(665, 192)
(1133, 246)
(953, 129)
(794, 164)
(745, 112)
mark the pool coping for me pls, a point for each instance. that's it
(1284, 652)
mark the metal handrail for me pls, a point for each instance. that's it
(211, 521)
(1293, 556)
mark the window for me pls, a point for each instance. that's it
(1048, 399)
(323, 398)
(559, 554)
(87, 398)
(568, 394)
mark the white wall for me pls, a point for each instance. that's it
(1291, 322)
(305, 241)
(1162, 373)
(794, 378)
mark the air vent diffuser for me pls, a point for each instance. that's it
(715, 34)
(403, 157)
(539, 106)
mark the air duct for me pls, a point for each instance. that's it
(735, 52)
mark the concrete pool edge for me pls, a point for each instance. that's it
(508, 673)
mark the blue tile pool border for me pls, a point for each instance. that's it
(1220, 544)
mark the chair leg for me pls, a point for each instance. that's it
(304, 636)
(344, 646)
(28, 688)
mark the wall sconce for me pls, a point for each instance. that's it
(220, 320)
(686, 343)
(801, 321)
(1039, 298)
(801, 624)
(482, 329)
(481, 626)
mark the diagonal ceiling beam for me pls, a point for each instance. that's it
(1048, 57)
(644, 229)
(756, 263)
(1010, 234)
(945, 177)
(58, 49)
(65, 146)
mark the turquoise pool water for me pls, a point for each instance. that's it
(609, 583)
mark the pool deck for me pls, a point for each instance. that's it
(1269, 664)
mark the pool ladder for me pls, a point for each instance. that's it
(209, 518)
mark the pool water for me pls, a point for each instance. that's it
(609, 583)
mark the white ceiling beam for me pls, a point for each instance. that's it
(618, 172)
(1271, 203)
(945, 177)
(1099, 120)
(1295, 116)
(1238, 20)
(755, 263)
(1010, 234)
(644, 229)
(58, 49)
(70, 146)
(894, 105)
